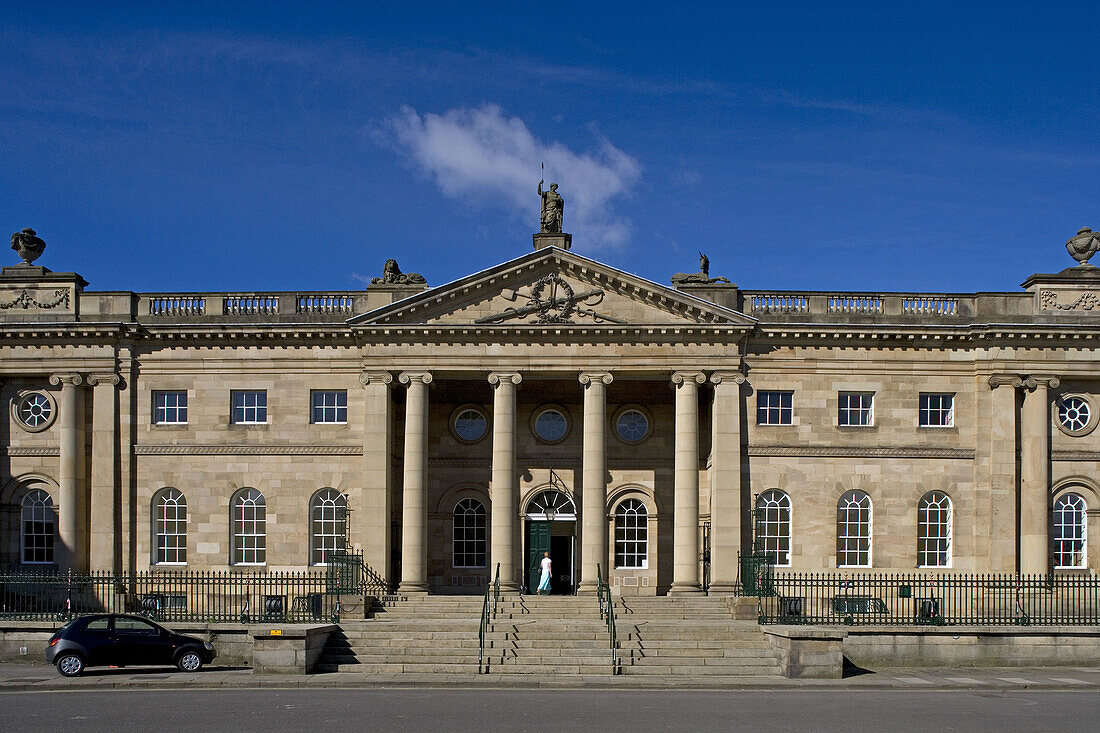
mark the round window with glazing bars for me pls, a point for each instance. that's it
(551, 425)
(632, 425)
(1075, 415)
(470, 424)
(34, 410)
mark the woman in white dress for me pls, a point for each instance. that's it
(544, 584)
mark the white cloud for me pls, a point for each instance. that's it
(484, 156)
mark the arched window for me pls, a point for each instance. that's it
(37, 527)
(1069, 531)
(853, 530)
(328, 512)
(170, 527)
(249, 516)
(773, 526)
(631, 535)
(469, 534)
(934, 530)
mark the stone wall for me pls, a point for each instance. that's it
(965, 646)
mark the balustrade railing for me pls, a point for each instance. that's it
(325, 303)
(182, 305)
(250, 305)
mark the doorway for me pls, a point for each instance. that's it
(551, 526)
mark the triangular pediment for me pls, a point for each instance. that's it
(552, 287)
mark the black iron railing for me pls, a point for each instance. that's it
(607, 614)
(173, 595)
(488, 612)
(919, 598)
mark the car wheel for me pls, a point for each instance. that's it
(70, 665)
(189, 662)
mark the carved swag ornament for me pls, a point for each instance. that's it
(25, 300)
(552, 300)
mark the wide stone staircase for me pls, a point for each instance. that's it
(689, 636)
(556, 636)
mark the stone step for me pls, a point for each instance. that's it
(698, 672)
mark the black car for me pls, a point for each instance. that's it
(122, 640)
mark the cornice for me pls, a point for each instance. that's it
(178, 449)
(806, 451)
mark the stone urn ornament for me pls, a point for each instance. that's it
(27, 245)
(1083, 246)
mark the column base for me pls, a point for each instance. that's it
(724, 589)
(678, 589)
(586, 589)
(407, 588)
(509, 587)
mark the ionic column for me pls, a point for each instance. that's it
(726, 502)
(370, 527)
(104, 485)
(1035, 474)
(685, 552)
(72, 502)
(502, 488)
(414, 517)
(594, 480)
(1002, 478)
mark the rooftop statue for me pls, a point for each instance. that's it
(1083, 246)
(553, 208)
(392, 275)
(698, 278)
(28, 246)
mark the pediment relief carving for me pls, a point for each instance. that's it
(552, 287)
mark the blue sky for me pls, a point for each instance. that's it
(292, 146)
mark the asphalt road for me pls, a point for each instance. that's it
(436, 710)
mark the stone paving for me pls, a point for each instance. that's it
(41, 677)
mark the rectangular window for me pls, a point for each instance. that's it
(250, 408)
(856, 409)
(774, 408)
(329, 407)
(170, 408)
(937, 410)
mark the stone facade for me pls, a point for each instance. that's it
(550, 330)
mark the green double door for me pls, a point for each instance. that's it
(538, 543)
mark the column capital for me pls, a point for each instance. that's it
(719, 377)
(367, 378)
(104, 378)
(1041, 380)
(1005, 380)
(408, 378)
(681, 378)
(74, 380)
(587, 378)
(497, 378)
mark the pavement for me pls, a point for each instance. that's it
(43, 677)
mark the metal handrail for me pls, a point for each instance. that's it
(607, 614)
(486, 610)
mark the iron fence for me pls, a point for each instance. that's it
(174, 596)
(918, 598)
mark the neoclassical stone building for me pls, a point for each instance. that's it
(555, 404)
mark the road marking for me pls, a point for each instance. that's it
(1016, 680)
(1071, 681)
(913, 680)
(966, 680)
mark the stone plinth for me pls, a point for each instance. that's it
(561, 240)
(808, 652)
(289, 649)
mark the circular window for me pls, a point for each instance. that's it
(551, 425)
(632, 425)
(1075, 415)
(469, 424)
(34, 411)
